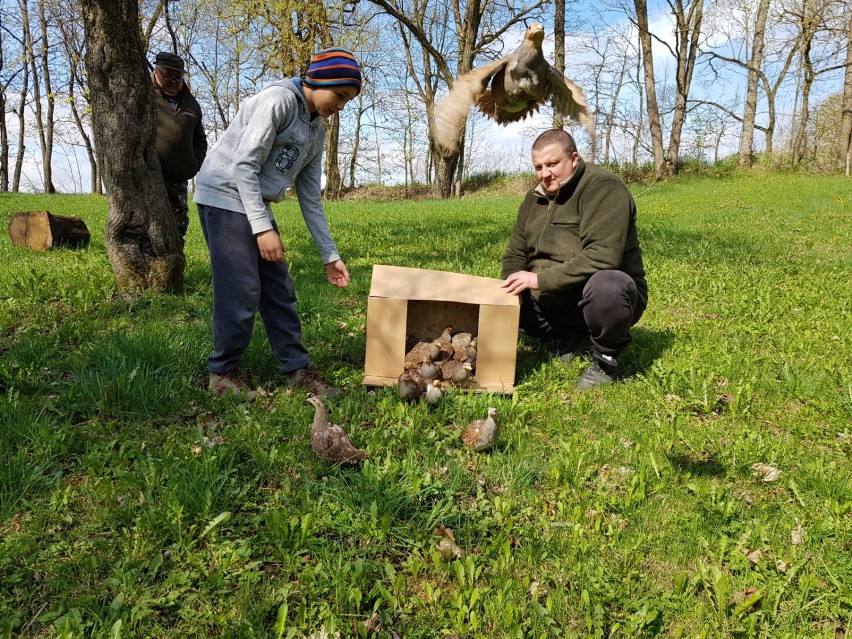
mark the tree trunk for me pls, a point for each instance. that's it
(650, 90)
(142, 239)
(73, 46)
(613, 105)
(808, 76)
(844, 139)
(559, 51)
(445, 165)
(4, 133)
(747, 136)
(4, 144)
(25, 85)
(356, 143)
(333, 183)
(689, 19)
(49, 124)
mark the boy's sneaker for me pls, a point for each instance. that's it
(308, 378)
(602, 370)
(233, 383)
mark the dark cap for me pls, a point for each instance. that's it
(169, 61)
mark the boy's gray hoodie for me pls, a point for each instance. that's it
(271, 145)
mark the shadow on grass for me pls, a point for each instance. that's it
(696, 466)
(647, 347)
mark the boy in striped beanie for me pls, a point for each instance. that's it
(274, 142)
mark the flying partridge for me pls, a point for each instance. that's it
(482, 434)
(519, 84)
(329, 441)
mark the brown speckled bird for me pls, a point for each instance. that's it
(446, 336)
(420, 353)
(455, 371)
(434, 392)
(410, 385)
(482, 434)
(329, 441)
(519, 84)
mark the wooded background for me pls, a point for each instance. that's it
(669, 81)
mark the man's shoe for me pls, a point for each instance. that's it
(233, 383)
(602, 370)
(569, 349)
(308, 379)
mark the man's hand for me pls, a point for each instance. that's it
(337, 274)
(270, 245)
(520, 281)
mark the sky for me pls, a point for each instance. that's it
(495, 147)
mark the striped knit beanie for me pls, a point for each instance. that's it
(334, 68)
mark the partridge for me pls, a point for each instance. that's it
(519, 84)
(455, 371)
(421, 352)
(445, 337)
(329, 441)
(429, 371)
(434, 392)
(482, 434)
(410, 385)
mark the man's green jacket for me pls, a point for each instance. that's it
(588, 226)
(181, 140)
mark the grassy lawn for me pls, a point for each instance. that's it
(134, 505)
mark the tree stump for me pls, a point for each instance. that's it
(41, 230)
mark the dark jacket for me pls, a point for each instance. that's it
(588, 226)
(181, 140)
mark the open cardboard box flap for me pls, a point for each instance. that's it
(410, 301)
(422, 284)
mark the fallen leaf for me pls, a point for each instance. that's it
(797, 535)
(533, 589)
(767, 473)
(755, 556)
(781, 565)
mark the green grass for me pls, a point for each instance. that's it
(132, 504)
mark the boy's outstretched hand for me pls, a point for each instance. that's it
(337, 274)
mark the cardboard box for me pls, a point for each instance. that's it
(410, 301)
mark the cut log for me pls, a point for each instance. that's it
(40, 230)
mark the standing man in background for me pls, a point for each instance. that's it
(181, 140)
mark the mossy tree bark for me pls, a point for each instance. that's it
(142, 239)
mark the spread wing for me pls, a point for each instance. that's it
(451, 112)
(569, 100)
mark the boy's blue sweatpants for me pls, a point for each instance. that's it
(243, 284)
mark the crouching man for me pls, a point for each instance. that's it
(574, 259)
